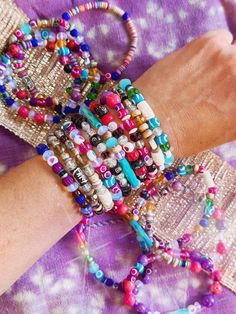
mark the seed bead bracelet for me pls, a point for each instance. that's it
(76, 172)
(89, 171)
(68, 181)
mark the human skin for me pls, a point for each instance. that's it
(192, 92)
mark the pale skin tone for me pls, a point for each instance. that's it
(193, 93)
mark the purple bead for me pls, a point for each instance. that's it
(76, 96)
(207, 264)
(146, 279)
(49, 102)
(140, 308)
(221, 224)
(203, 222)
(177, 186)
(33, 102)
(135, 290)
(207, 300)
(119, 106)
(161, 245)
(57, 167)
(143, 259)
(103, 96)
(102, 79)
(68, 181)
(195, 255)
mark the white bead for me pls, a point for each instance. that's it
(91, 155)
(157, 131)
(106, 199)
(101, 147)
(112, 126)
(153, 144)
(208, 179)
(146, 110)
(128, 147)
(126, 117)
(78, 139)
(122, 140)
(52, 160)
(158, 157)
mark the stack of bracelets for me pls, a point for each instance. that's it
(107, 143)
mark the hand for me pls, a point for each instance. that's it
(193, 92)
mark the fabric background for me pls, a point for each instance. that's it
(58, 283)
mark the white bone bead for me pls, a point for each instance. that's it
(146, 110)
(208, 179)
(106, 199)
(158, 157)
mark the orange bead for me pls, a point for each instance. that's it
(198, 228)
(61, 43)
(140, 120)
(150, 206)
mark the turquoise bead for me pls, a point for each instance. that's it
(45, 34)
(124, 83)
(182, 171)
(168, 160)
(26, 29)
(111, 142)
(139, 267)
(5, 59)
(162, 139)
(129, 173)
(209, 211)
(93, 268)
(91, 117)
(117, 196)
(153, 123)
(108, 183)
(64, 51)
(84, 75)
(141, 232)
(137, 98)
(99, 275)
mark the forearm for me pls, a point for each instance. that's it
(35, 213)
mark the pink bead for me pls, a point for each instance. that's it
(64, 60)
(184, 254)
(80, 237)
(122, 113)
(221, 248)
(23, 112)
(19, 34)
(76, 71)
(134, 272)
(112, 100)
(122, 209)
(83, 148)
(218, 213)
(71, 128)
(212, 190)
(129, 299)
(144, 151)
(102, 168)
(39, 118)
(119, 202)
(152, 190)
(195, 267)
(201, 169)
(187, 237)
(63, 23)
(217, 275)
(128, 285)
(129, 125)
(216, 288)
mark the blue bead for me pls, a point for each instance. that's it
(111, 142)
(115, 76)
(91, 117)
(141, 232)
(139, 267)
(68, 110)
(87, 102)
(162, 139)
(45, 34)
(77, 109)
(64, 51)
(74, 32)
(73, 187)
(183, 264)
(86, 210)
(84, 75)
(5, 59)
(9, 101)
(66, 125)
(117, 196)
(204, 222)
(129, 173)
(137, 98)
(93, 268)
(169, 159)
(109, 282)
(209, 211)
(56, 119)
(26, 29)
(84, 47)
(182, 170)
(125, 16)
(153, 123)
(41, 148)
(169, 175)
(66, 16)
(99, 275)
(2, 88)
(108, 183)
(80, 199)
(34, 42)
(124, 83)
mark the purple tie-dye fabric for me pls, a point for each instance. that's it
(58, 283)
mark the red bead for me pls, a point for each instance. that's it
(39, 118)
(195, 267)
(22, 94)
(51, 45)
(216, 288)
(134, 155)
(107, 118)
(129, 125)
(122, 113)
(71, 44)
(93, 105)
(129, 299)
(83, 148)
(141, 171)
(128, 285)
(41, 102)
(76, 71)
(14, 50)
(122, 209)
(221, 248)
(112, 100)
(23, 112)
(184, 254)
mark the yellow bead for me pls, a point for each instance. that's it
(139, 120)
(198, 228)
(150, 206)
(160, 179)
(61, 43)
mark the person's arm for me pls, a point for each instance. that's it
(193, 94)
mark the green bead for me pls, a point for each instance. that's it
(208, 202)
(89, 258)
(131, 92)
(91, 96)
(165, 147)
(69, 90)
(189, 169)
(96, 85)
